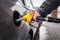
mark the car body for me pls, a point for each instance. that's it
(9, 31)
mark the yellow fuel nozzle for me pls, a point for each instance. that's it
(28, 17)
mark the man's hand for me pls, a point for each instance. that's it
(35, 15)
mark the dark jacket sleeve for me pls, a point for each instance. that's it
(48, 6)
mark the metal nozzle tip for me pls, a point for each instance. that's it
(19, 19)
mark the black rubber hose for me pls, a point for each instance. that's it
(49, 19)
(56, 20)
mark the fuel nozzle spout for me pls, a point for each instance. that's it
(28, 17)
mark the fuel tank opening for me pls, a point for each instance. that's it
(16, 15)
